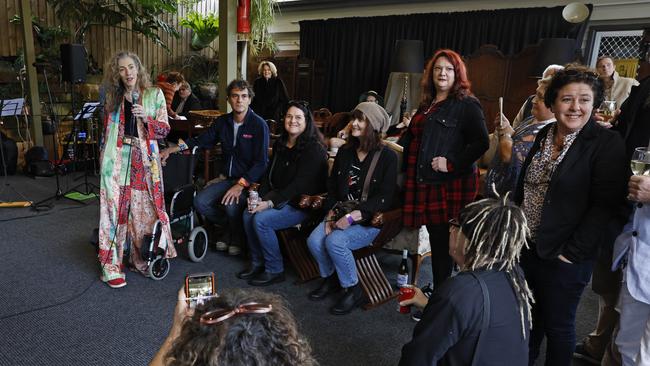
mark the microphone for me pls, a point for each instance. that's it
(135, 96)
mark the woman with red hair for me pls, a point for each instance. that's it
(445, 138)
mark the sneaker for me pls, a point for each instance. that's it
(582, 354)
(234, 250)
(427, 290)
(221, 246)
(116, 283)
(417, 315)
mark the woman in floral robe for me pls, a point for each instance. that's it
(131, 190)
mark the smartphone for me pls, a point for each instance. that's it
(199, 288)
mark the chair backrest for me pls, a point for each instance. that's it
(179, 170)
(335, 123)
(322, 114)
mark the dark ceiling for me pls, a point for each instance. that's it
(330, 4)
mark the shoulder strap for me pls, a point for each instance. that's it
(486, 318)
(371, 169)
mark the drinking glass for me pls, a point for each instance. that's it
(607, 109)
(640, 163)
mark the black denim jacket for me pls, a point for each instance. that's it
(456, 131)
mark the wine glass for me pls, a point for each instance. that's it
(607, 109)
(640, 163)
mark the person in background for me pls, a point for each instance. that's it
(514, 144)
(526, 108)
(244, 138)
(485, 243)
(170, 86)
(184, 100)
(332, 241)
(634, 127)
(298, 167)
(271, 95)
(371, 96)
(240, 327)
(445, 138)
(573, 194)
(131, 198)
(523, 114)
(616, 87)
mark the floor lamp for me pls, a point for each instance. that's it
(408, 58)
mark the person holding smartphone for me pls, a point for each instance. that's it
(240, 327)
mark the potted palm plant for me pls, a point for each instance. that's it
(205, 29)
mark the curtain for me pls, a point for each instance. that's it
(356, 52)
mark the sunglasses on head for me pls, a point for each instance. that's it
(301, 103)
(219, 315)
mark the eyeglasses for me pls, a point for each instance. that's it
(301, 103)
(218, 315)
(454, 223)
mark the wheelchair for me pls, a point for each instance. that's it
(188, 238)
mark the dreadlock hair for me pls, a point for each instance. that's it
(496, 230)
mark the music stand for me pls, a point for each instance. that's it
(86, 112)
(11, 107)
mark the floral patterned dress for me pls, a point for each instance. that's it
(131, 189)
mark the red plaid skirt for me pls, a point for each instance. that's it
(431, 204)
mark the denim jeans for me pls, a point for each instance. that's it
(208, 203)
(260, 233)
(557, 287)
(334, 251)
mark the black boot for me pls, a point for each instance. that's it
(327, 286)
(251, 272)
(266, 278)
(352, 298)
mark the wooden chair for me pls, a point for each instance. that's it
(294, 240)
(335, 123)
(373, 281)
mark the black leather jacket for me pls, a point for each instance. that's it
(457, 131)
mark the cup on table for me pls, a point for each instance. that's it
(405, 292)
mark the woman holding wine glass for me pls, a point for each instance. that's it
(572, 190)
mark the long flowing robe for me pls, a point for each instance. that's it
(131, 187)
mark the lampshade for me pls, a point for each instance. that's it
(408, 56)
(558, 51)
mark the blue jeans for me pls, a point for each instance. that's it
(334, 251)
(260, 232)
(208, 203)
(557, 287)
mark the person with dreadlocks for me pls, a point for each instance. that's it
(485, 242)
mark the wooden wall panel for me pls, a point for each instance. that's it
(102, 42)
(494, 75)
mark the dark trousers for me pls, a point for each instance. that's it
(441, 262)
(557, 287)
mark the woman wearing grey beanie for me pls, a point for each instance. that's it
(362, 182)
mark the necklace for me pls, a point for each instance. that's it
(433, 104)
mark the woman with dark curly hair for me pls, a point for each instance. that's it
(298, 166)
(441, 145)
(240, 327)
(572, 189)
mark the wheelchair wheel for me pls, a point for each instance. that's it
(197, 245)
(159, 268)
